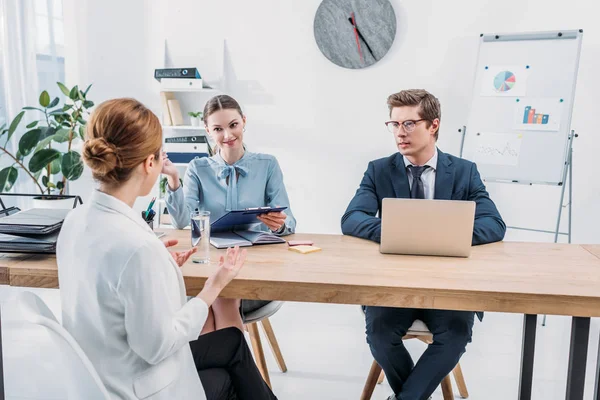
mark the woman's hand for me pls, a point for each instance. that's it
(180, 257)
(273, 220)
(229, 267)
(170, 170)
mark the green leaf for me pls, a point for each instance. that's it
(82, 132)
(44, 143)
(60, 185)
(51, 185)
(8, 177)
(33, 124)
(74, 94)
(47, 131)
(85, 92)
(67, 107)
(81, 96)
(55, 167)
(72, 166)
(58, 112)
(45, 180)
(42, 158)
(88, 104)
(62, 135)
(28, 141)
(44, 99)
(14, 124)
(33, 108)
(63, 89)
(54, 102)
(81, 121)
(19, 156)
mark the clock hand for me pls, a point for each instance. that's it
(351, 19)
(361, 36)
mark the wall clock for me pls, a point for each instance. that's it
(355, 33)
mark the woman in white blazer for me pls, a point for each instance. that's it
(122, 293)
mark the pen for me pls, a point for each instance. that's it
(150, 205)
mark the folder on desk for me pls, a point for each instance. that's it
(28, 244)
(36, 221)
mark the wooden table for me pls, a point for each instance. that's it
(526, 278)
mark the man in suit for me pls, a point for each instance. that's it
(419, 170)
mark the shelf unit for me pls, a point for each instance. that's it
(190, 99)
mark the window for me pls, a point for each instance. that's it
(50, 45)
(3, 115)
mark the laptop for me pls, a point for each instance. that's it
(427, 227)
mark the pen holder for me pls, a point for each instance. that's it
(150, 223)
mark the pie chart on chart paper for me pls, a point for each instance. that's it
(504, 81)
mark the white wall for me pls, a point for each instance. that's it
(324, 123)
(114, 45)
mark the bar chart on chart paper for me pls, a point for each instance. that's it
(538, 114)
(496, 148)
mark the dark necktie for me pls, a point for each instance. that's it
(417, 191)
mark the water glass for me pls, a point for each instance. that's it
(201, 236)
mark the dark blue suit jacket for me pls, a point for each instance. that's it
(456, 179)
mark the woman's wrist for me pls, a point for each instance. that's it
(280, 230)
(173, 182)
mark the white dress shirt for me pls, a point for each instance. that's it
(428, 176)
(123, 300)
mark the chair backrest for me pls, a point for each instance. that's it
(82, 380)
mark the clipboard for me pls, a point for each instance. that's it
(242, 217)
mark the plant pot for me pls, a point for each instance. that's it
(195, 121)
(53, 202)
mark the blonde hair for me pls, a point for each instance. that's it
(121, 134)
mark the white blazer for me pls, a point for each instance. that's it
(123, 300)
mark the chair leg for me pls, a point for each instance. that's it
(381, 377)
(447, 388)
(460, 382)
(268, 329)
(259, 354)
(374, 374)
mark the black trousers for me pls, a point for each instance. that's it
(386, 326)
(226, 367)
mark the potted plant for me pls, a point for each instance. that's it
(45, 152)
(195, 118)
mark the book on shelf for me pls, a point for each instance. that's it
(175, 112)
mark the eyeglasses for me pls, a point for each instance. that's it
(408, 125)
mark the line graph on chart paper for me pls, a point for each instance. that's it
(497, 148)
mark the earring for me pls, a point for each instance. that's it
(244, 129)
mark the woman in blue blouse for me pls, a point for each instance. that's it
(232, 179)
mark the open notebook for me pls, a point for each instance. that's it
(223, 240)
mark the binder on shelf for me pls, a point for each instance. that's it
(176, 73)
